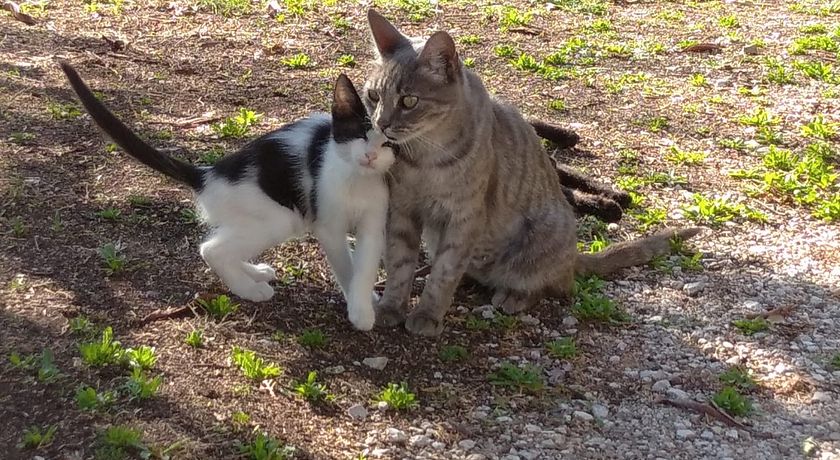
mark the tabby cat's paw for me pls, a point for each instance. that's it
(421, 323)
(511, 302)
(389, 315)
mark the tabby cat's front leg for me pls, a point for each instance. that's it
(402, 246)
(448, 267)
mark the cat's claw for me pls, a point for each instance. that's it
(258, 292)
(421, 323)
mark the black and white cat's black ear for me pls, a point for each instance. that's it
(440, 58)
(386, 37)
(348, 112)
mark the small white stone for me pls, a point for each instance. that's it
(476, 457)
(585, 416)
(395, 436)
(676, 393)
(379, 452)
(821, 396)
(529, 320)
(419, 440)
(661, 386)
(685, 434)
(466, 444)
(438, 375)
(334, 370)
(357, 412)
(377, 363)
(570, 321)
(437, 445)
(732, 433)
(503, 419)
(382, 405)
(693, 289)
(600, 411)
(531, 428)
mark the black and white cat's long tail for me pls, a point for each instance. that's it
(176, 169)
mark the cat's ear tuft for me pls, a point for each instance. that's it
(346, 101)
(386, 37)
(440, 58)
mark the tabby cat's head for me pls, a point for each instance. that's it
(356, 140)
(414, 83)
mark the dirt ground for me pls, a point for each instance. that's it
(172, 69)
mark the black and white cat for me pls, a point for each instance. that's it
(321, 174)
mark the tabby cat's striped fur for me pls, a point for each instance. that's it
(472, 176)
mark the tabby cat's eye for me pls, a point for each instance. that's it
(409, 101)
(373, 95)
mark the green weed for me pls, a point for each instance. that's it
(593, 7)
(699, 80)
(61, 111)
(592, 305)
(504, 51)
(751, 326)
(469, 63)
(265, 447)
(563, 348)
(312, 390)
(252, 366)
(817, 70)
(143, 357)
(730, 400)
(760, 117)
(195, 338)
(312, 338)
(819, 128)
(210, 157)
(115, 260)
(649, 217)
(453, 353)
(219, 307)
(87, 398)
(557, 104)
(240, 419)
(474, 323)
(105, 352)
(398, 396)
(21, 138)
(525, 62)
(227, 7)
(510, 17)
(729, 22)
(471, 39)
(716, 211)
(680, 157)
(119, 442)
(139, 386)
(238, 125)
(19, 229)
(526, 378)
(766, 135)
(737, 377)
(346, 60)
(814, 42)
(776, 72)
(297, 61)
(36, 437)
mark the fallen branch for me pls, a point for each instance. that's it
(702, 48)
(192, 122)
(783, 311)
(422, 271)
(169, 313)
(702, 408)
(14, 8)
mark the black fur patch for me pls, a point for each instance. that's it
(315, 160)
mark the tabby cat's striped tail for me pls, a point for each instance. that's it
(630, 253)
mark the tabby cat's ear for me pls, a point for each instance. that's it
(440, 58)
(386, 37)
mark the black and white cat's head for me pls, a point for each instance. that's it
(356, 141)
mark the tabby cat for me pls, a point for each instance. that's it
(473, 180)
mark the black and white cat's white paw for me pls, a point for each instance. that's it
(362, 317)
(260, 272)
(254, 291)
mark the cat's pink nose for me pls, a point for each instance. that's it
(371, 156)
